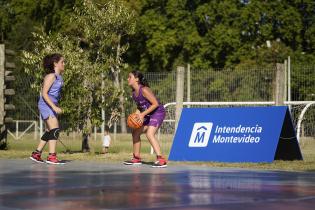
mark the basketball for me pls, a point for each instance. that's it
(133, 121)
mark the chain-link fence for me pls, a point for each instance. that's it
(232, 84)
(241, 84)
(303, 83)
(163, 84)
(25, 115)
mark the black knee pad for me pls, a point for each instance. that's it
(45, 136)
(53, 134)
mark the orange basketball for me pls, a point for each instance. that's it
(133, 121)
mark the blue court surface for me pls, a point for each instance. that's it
(96, 185)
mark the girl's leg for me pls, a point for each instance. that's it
(136, 133)
(36, 155)
(136, 160)
(151, 131)
(52, 123)
(42, 143)
(161, 162)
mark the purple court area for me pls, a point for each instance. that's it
(96, 185)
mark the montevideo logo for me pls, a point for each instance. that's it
(200, 134)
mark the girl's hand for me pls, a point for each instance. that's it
(57, 110)
(141, 117)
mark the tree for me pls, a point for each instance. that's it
(19, 18)
(216, 33)
(106, 31)
(82, 83)
(89, 53)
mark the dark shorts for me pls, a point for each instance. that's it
(155, 120)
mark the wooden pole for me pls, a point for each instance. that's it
(179, 93)
(188, 83)
(280, 85)
(2, 87)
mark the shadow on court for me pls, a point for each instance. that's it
(93, 185)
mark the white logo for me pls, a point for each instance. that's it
(200, 134)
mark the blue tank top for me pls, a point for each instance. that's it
(54, 90)
(143, 103)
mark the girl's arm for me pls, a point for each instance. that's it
(48, 81)
(148, 94)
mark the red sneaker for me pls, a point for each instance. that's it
(134, 161)
(36, 156)
(160, 163)
(52, 159)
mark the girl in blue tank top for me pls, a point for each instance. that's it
(49, 108)
(151, 112)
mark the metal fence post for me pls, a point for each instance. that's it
(41, 123)
(285, 80)
(17, 129)
(35, 129)
(103, 109)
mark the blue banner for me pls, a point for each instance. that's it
(240, 134)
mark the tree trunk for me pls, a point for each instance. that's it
(122, 107)
(121, 104)
(88, 125)
(86, 135)
(116, 72)
(85, 142)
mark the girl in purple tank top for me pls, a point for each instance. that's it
(48, 107)
(151, 112)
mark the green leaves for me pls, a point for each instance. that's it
(217, 33)
(90, 53)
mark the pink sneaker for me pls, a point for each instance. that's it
(160, 163)
(52, 159)
(134, 161)
(36, 156)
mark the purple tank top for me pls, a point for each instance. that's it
(143, 103)
(54, 91)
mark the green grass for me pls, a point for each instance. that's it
(121, 149)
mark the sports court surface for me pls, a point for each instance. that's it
(94, 185)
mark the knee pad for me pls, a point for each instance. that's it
(53, 134)
(45, 136)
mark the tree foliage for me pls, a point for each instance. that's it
(151, 35)
(89, 51)
(217, 33)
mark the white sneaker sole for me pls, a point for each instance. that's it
(132, 164)
(60, 163)
(33, 159)
(163, 166)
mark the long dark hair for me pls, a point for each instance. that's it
(49, 60)
(142, 80)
